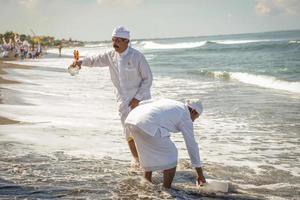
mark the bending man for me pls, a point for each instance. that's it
(151, 123)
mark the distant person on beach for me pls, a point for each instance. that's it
(18, 43)
(26, 47)
(7, 47)
(38, 50)
(130, 74)
(59, 49)
(150, 125)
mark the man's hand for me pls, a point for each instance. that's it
(76, 63)
(200, 179)
(134, 103)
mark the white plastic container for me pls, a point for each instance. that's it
(215, 186)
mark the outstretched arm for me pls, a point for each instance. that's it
(93, 61)
(187, 129)
(100, 60)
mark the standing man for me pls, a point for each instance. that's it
(151, 124)
(59, 48)
(129, 72)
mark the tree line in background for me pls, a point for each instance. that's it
(43, 40)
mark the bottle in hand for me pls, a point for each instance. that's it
(74, 68)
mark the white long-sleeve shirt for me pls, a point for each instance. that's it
(166, 116)
(129, 72)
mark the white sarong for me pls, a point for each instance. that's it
(155, 152)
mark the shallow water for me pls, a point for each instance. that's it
(62, 176)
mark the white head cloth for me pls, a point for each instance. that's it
(121, 32)
(195, 104)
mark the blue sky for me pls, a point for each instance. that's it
(95, 19)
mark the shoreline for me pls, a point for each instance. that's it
(5, 120)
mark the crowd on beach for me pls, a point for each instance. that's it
(15, 45)
(19, 48)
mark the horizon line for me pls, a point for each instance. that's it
(158, 38)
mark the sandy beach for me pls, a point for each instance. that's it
(3, 65)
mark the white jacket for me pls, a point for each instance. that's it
(129, 72)
(166, 116)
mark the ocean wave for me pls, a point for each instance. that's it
(182, 45)
(188, 45)
(134, 42)
(266, 81)
(258, 80)
(95, 45)
(237, 41)
(214, 74)
(294, 42)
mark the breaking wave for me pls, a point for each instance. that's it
(258, 80)
(183, 45)
(189, 45)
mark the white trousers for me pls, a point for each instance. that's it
(123, 115)
(155, 152)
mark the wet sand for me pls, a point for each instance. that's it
(3, 66)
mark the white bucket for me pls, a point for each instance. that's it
(215, 186)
